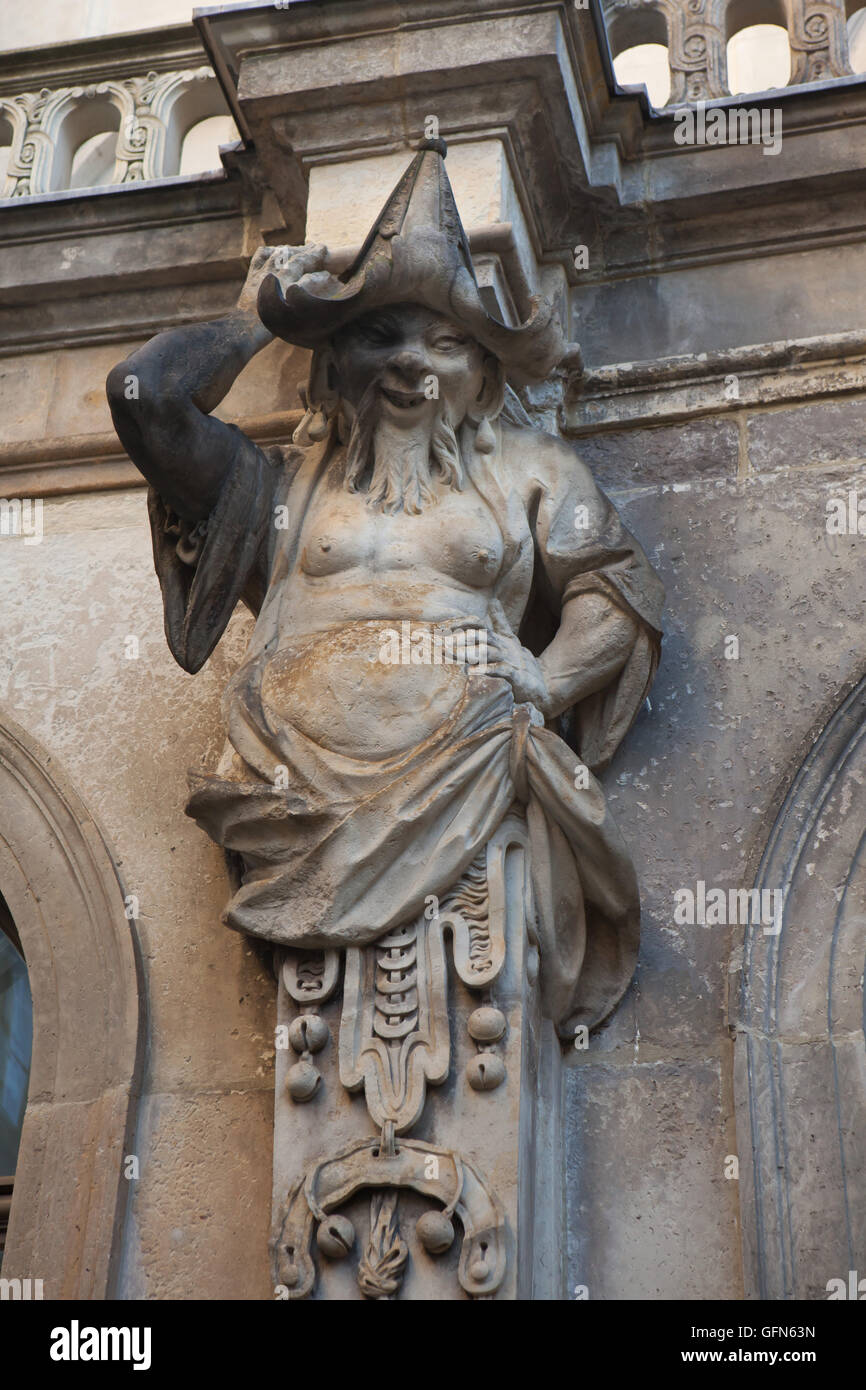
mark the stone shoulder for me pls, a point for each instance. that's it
(533, 460)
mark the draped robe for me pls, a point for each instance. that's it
(345, 847)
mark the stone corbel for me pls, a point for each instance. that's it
(697, 50)
(818, 35)
(32, 151)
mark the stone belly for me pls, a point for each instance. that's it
(337, 690)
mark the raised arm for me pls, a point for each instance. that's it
(162, 395)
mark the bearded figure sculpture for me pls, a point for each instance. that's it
(454, 634)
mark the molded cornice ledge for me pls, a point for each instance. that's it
(335, 80)
(325, 83)
(670, 389)
(111, 58)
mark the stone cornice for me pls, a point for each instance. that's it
(670, 389)
(98, 59)
(336, 80)
(626, 395)
(107, 265)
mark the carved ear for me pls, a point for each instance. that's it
(322, 393)
(492, 395)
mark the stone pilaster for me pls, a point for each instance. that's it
(437, 1025)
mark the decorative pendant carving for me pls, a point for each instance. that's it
(394, 1040)
(452, 1182)
(394, 1034)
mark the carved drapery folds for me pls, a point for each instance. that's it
(696, 33)
(151, 115)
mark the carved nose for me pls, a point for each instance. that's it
(408, 366)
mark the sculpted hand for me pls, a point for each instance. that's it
(288, 263)
(506, 657)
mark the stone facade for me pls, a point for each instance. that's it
(717, 297)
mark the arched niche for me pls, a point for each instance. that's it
(759, 59)
(77, 121)
(631, 28)
(639, 49)
(63, 893)
(800, 1051)
(95, 160)
(201, 144)
(646, 65)
(747, 14)
(190, 100)
(857, 37)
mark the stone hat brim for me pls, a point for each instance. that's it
(415, 264)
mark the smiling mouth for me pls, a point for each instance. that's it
(403, 400)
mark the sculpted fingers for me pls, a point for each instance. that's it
(291, 263)
(312, 257)
(260, 257)
(514, 663)
(288, 263)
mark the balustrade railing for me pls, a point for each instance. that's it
(144, 122)
(696, 34)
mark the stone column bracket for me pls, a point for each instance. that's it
(440, 1174)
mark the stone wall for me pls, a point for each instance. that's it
(722, 321)
(26, 26)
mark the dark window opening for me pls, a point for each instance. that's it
(16, 1042)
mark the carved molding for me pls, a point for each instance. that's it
(95, 463)
(67, 902)
(800, 1056)
(666, 389)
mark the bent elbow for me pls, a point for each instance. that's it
(119, 384)
(127, 385)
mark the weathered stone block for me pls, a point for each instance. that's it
(671, 454)
(830, 432)
(650, 1212)
(199, 1220)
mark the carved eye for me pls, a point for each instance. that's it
(449, 342)
(379, 334)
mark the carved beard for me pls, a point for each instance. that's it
(396, 467)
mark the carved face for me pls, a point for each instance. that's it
(421, 360)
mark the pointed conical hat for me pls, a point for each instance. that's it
(416, 253)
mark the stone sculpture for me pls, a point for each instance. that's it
(447, 607)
